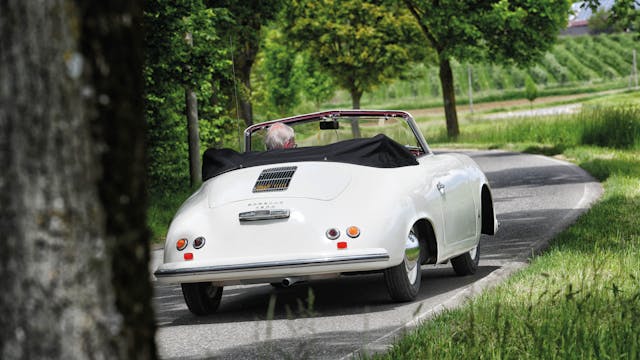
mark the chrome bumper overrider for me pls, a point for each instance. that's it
(259, 266)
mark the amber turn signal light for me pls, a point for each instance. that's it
(181, 244)
(353, 231)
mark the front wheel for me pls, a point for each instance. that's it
(202, 298)
(467, 263)
(403, 280)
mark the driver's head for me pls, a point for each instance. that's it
(280, 136)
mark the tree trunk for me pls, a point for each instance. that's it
(73, 269)
(246, 109)
(195, 170)
(193, 135)
(356, 95)
(244, 62)
(449, 97)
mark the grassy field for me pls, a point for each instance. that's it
(581, 298)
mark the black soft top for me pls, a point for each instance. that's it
(378, 151)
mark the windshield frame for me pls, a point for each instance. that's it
(332, 114)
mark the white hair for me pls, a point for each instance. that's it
(278, 135)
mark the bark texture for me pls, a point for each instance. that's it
(74, 263)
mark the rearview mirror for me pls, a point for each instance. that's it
(329, 125)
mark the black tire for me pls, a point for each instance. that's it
(403, 280)
(467, 263)
(202, 298)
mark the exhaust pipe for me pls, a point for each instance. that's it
(290, 281)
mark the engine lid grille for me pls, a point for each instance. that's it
(274, 179)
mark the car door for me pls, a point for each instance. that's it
(451, 181)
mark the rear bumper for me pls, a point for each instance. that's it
(170, 273)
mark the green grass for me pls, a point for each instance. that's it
(581, 298)
(596, 124)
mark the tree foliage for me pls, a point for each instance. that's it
(624, 14)
(517, 31)
(530, 89)
(244, 34)
(173, 63)
(281, 73)
(317, 85)
(361, 44)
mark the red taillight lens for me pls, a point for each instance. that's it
(198, 242)
(342, 245)
(333, 234)
(353, 231)
(181, 244)
(188, 256)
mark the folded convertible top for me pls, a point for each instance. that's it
(378, 151)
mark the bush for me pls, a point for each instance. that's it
(530, 89)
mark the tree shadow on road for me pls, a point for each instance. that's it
(347, 295)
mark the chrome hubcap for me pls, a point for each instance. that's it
(411, 257)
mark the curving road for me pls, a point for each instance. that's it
(535, 198)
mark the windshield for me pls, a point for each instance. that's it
(338, 129)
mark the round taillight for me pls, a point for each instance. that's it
(181, 244)
(353, 231)
(333, 234)
(198, 242)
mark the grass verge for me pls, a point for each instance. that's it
(581, 298)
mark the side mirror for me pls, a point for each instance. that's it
(329, 125)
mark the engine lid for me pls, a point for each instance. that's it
(311, 180)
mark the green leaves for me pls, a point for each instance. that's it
(359, 43)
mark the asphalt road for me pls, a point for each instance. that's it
(535, 198)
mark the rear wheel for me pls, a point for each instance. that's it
(403, 280)
(467, 263)
(202, 298)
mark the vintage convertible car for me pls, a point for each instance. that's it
(337, 204)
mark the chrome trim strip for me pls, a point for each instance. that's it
(351, 259)
(264, 215)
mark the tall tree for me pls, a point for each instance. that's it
(74, 270)
(184, 51)
(249, 18)
(517, 31)
(360, 43)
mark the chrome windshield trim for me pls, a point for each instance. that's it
(349, 259)
(264, 215)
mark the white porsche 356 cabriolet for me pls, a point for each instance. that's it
(333, 205)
